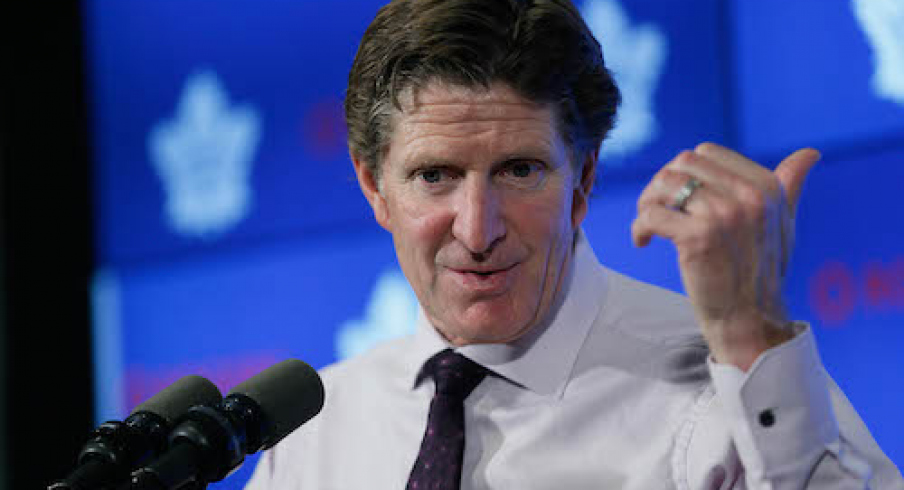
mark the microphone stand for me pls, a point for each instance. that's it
(169, 472)
(205, 446)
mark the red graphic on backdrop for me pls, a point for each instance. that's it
(833, 294)
(885, 285)
(838, 290)
(324, 132)
(143, 382)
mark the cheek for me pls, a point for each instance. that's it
(545, 219)
(422, 225)
(432, 225)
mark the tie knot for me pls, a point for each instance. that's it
(454, 374)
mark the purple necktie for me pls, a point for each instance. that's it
(438, 464)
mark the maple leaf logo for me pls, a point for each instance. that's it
(635, 55)
(391, 312)
(883, 23)
(203, 156)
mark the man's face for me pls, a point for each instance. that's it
(482, 201)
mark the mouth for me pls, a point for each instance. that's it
(482, 271)
(484, 280)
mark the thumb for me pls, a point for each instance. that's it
(793, 170)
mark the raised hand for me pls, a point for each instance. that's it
(732, 223)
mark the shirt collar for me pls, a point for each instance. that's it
(541, 360)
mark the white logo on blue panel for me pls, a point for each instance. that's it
(883, 23)
(203, 156)
(391, 312)
(636, 57)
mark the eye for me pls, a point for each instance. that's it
(434, 179)
(523, 173)
(431, 175)
(521, 170)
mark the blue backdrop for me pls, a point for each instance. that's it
(228, 216)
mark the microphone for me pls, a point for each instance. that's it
(116, 448)
(208, 442)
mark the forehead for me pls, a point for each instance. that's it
(439, 114)
(452, 102)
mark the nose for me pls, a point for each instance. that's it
(479, 222)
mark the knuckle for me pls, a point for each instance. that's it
(757, 201)
(751, 197)
(698, 243)
(705, 147)
(649, 215)
(667, 176)
(646, 199)
(709, 230)
(734, 217)
(683, 159)
(642, 211)
(642, 204)
(662, 184)
(729, 213)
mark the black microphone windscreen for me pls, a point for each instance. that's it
(288, 393)
(177, 398)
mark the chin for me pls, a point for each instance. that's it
(488, 330)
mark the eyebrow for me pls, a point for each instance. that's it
(429, 161)
(528, 153)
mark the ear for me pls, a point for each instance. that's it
(583, 188)
(371, 190)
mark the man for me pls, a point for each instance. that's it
(474, 127)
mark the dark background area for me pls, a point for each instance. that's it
(45, 243)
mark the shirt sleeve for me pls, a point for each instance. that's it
(792, 427)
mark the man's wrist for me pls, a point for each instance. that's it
(744, 341)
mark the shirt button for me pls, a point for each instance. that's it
(767, 418)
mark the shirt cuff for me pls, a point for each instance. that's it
(779, 412)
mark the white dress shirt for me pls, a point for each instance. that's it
(617, 392)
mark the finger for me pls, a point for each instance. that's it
(793, 171)
(662, 188)
(664, 222)
(666, 185)
(733, 161)
(716, 176)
